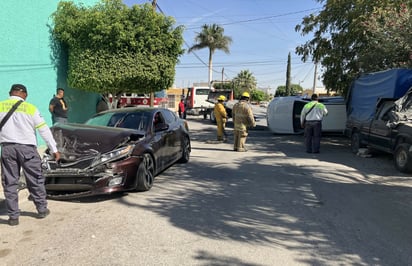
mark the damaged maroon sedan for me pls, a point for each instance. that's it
(116, 150)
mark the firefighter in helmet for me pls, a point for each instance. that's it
(221, 117)
(242, 120)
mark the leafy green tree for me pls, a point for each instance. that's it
(224, 86)
(244, 82)
(213, 38)
(295, 89)
(258, 95)
(113, 49)
(388, 30)
(345, 39)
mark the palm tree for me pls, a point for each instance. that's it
(211, 37)
(245, 82)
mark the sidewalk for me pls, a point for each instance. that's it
(23, 193)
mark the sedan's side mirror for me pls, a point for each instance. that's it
(161, 127)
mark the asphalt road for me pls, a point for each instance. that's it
(273, 205)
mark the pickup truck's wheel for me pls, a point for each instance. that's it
(355, 142)
(402, 158)
(212, 116)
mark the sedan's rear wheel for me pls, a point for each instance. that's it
(402, 158)
(185, 151)
(145, 173)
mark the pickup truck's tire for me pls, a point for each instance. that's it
(212, 116)
(356, 142)
(402, 158)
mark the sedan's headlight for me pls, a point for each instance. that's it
(115, 154)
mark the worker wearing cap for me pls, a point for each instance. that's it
(221, 117)
(242, 120)
(19, 151)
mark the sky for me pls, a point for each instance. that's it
(262, 32)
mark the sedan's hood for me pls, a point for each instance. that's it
(85, 139)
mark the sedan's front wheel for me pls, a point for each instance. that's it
(145, 173)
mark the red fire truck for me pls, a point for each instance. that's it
(142, 100)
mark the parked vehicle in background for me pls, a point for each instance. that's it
(212, 98)
(142, 100)
(379, 115)
(264, 104)
(283, 114)
(116, 150)
(196, 101)
(201, 100)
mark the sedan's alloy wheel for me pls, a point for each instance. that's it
(145, 173)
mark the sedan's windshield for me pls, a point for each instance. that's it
(132, 120)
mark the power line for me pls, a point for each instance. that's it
(263, 18)
(187, 45)
(253, 63)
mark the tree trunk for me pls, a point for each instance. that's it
(210, 68)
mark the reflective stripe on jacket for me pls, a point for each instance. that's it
(22, 125)
(316, 114)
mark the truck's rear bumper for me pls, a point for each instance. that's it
(198, 111)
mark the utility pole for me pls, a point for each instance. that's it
(288, 87)
(223, 71)
(315, 78)
(152, 98)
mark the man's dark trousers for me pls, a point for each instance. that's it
(313, 132)
(13, 157)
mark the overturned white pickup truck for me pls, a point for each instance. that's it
(283, 114)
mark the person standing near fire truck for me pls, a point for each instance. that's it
(243, 119)
(181, 110)
(221, 116)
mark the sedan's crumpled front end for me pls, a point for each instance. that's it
(90, 165)
(114, 151)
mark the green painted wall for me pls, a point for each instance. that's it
(26, 57)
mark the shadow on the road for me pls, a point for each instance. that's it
(327, 214)
(331, 208)
(3, 211)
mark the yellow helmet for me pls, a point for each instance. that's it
(221, 98)
(246, 94)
